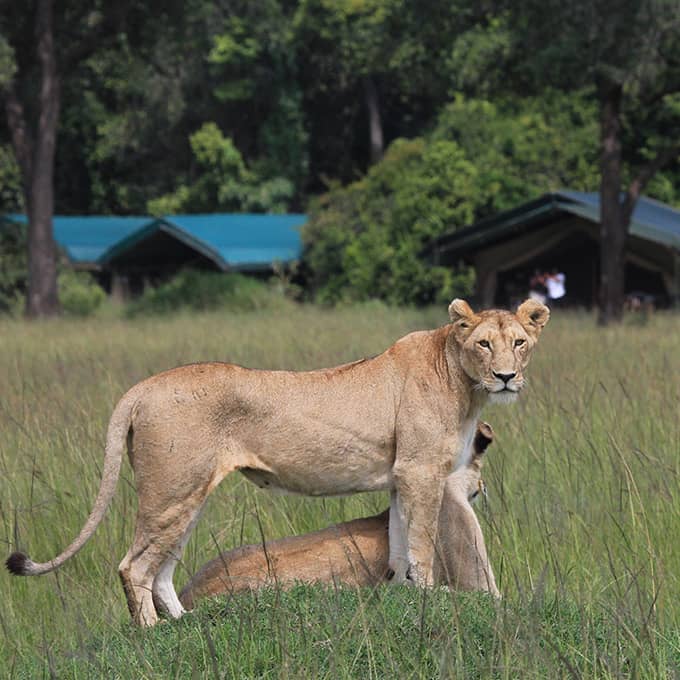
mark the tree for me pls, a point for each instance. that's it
(34, 147)
(39, 49)
(627, 52)
(371, 71)
(253, 64)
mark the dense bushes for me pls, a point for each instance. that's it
(79, 293)
(197, 290)
(363, 240)
(13, 266)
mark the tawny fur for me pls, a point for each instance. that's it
(400, 421)
(355, 553)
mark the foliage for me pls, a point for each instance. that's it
(203, 106)
(13, 266)
(524, 148)
(346, 50)
(475, 55)
(79, 294)
(252, 59)
(624, 51)
(201, 290)
(8, 64)
(285, 83)
(363, 241)
(222, 182)
(11, 197)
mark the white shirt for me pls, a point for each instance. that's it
(555, 285)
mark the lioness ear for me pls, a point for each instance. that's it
(533, 315)
(459, 309)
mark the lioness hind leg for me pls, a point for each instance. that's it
(137, 572)
(146, 571)
(164, 593)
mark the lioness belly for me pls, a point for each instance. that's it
(308, 485)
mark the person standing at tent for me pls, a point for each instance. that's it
(557, 289)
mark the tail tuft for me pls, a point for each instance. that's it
(18, 563)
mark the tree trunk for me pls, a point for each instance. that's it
(377, 142)
(614, 226)
(42, 298)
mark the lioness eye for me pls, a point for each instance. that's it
(484, 343)
(519, 342)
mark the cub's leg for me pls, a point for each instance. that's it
(419, 499)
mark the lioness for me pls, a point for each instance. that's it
(399, 421)
(356, 553)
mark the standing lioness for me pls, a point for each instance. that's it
(399, 421)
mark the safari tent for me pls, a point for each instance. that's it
(561, 230)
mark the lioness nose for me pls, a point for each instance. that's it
(505, 377)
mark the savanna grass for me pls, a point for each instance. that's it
(581, 522)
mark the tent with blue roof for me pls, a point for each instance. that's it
(561, 230)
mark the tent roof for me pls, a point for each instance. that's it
(231, 241)
(86, 239)
(652, 220)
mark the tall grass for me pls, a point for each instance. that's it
(581, 521)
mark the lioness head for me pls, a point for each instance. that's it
(494, 346)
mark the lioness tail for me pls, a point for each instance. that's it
(19, 563)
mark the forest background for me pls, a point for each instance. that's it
(388, 121)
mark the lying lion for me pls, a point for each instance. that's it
(401, 421)
(356, 553)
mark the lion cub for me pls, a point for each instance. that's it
(356, 553)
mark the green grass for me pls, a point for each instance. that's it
(581, 521)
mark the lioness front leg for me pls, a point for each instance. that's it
(418, 504)
(398, 562)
